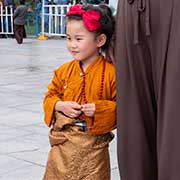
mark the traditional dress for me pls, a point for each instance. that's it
(77, 155)
(148, 89)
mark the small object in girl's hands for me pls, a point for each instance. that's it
(82, 124)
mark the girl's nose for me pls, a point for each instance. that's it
(73, 44)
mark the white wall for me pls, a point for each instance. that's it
(113, 3)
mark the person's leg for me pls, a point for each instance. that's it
(21, 33)
(4, 27)
(46, 19)
(18, 31)
(24, 32)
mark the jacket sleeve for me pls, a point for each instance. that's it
(105, 114)
(105, 117)
(54, 94)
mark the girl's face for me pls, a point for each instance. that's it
(82, 44)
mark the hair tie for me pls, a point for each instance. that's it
(90, 17)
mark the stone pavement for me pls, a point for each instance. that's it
(25, 70)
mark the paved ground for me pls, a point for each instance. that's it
(25, 70)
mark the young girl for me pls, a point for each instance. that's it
(80, 104)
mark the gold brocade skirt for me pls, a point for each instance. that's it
(77, 155)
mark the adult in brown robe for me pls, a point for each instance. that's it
(147, 53)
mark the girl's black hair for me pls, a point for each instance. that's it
(107, 21)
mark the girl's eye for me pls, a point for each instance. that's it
(79, 39)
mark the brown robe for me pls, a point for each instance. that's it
(147, 52)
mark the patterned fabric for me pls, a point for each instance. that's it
(76, 155)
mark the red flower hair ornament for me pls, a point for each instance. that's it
(90, 17)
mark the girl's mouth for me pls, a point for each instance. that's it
(74, 52)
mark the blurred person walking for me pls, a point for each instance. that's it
(19, 21)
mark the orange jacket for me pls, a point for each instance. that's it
(66, 85)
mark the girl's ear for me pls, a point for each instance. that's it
(101, 40)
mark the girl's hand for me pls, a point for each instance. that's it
(69, 108)
(88, 109)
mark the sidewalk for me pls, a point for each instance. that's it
(25, 70)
